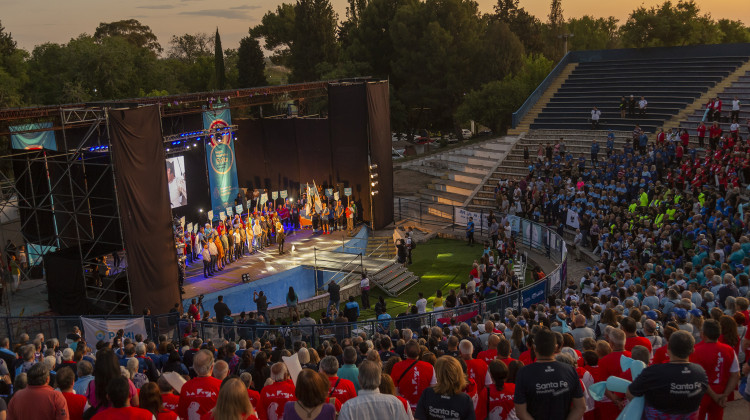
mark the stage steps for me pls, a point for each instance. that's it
(394, 279)
(381, 247)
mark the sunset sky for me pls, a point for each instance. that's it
(33, 22)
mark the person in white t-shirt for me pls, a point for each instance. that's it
(595, 114)
(642, 105)
(421, 304)
(735, 109)
(364, 286)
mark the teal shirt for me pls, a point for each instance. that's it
(350, 372)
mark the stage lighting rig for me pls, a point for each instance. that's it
(180, 142)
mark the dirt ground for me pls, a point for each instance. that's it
(407, 182)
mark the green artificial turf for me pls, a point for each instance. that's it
(440, 263)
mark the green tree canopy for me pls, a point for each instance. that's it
(219, 73)
(591, 33)
(251, 65)
(277, 29)
(132, 30)
(669, 25)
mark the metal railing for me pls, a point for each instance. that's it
(539, 91)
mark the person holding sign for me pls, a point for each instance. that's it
(324, 213)
(280, 236)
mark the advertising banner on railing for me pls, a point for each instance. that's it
(95, 330)
(534, 294)
(515, 223)
(554, 281)
(462, 218)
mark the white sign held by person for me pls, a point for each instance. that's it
(462, 218)
(572, 219)
(95, 330)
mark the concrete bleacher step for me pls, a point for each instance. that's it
(546, 96)
(456, 187)
(698, 105)
(442, 197)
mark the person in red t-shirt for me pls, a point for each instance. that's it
(629, 327)
(118, 394)
(65, 379)
(273, 397)
(412, 376)
(476, 369)
(150, 399)
(232, 403)
(168, 398)
(254, 395)
(609, 365)
(496, 401)
(198, 395)
(38, 400)
(340, 388)
(489, 355)
(721, 365)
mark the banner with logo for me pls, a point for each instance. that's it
(515, 223)
(572, 219)
(95, 330)
(461, 217)
(534, 294)
(222, 166)
(35, 139)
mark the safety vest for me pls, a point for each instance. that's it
(702, 199)
(659, 219)
(671, 213)
(633, 207)
(677, 199)
(644, 199)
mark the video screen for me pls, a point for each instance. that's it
(176, 181)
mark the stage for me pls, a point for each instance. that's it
(268, 262)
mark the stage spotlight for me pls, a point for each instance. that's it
(245, 277)
(374, 183)
(200, 211)
(373, 175)
(374, 192)
(167, 150)
(195, 144)
(374, 166)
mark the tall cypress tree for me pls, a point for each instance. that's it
(219, 63)
(251, 64)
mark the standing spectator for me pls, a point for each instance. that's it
(334, 297)
(370, 404)
(594, 152)
(412, 376)
(151, 400)
(717, 109)
(609, 365)
(311, 393)
(595, 114)
(672, 390)
(106, 369)
(476, 369)
(421, 304)
(85, 370)
(446, 400)
(198, 395)
(735, 109)
(642, 105)
(233, 402)
(222, 311)
(273, 397)
(623, 106)
(547, 389)
(401, 252)
(340, 388)
(38, 400)
(610, 143)
(496, 402)
(494, 232)
(351, 309)
(364, 287)
(631, 106)
(470, 231)
(581, 331)
(714, 135)
(349, 369)
(121, 404)
(720, 364)
(76, 403)
(701, 134)
(291, 302)
(261, 302)
(409, 246)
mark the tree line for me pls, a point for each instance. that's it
(447, 63)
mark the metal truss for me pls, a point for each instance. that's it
(75, 192)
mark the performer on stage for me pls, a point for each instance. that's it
(258, 235)
(340, 218)
(351, 213)
(324, 213)
(280, 236)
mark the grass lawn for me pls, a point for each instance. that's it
(441, 264)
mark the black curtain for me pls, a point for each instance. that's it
(280, 149)
(65, 284)
(379, 115)
(313, 151)
(250, 155)
(348, 121)
(38, 225)
(138, 154)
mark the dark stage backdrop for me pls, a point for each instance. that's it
(347, 104)
(278, 154)
(138, 154)
(196, 176)
(379, 115)
(282, 167)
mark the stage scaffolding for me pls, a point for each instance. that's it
(77, 195)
